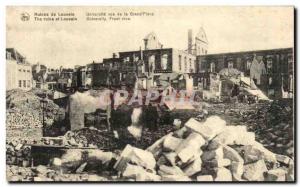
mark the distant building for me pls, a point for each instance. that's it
(97, 74)
(150, 64)
(44, 78)
(141, 68)
(18, 71)
(270, 70)
(199, 45)
(151, 42)
(64, 81)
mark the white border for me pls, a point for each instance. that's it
(4, 3)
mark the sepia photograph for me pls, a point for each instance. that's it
(115, 94)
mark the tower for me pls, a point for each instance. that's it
(190, 41)
(201, 43)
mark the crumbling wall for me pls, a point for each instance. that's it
(86, 102)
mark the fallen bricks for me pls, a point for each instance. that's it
(183, 155)
(255, 171)
(139, 174)
(135, 156)
(272, 123)
(18, 154)
(204, 178)
(225, 153)
(78, 160)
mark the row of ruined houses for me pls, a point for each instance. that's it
(271, 71)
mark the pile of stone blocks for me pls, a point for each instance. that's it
(18, 154)
(205, 151)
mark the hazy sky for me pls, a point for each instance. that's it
(228, 29)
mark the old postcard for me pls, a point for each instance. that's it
(160, 94)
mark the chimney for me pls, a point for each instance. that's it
(190, 41)
(114, 55)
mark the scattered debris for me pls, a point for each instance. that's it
(195, 157)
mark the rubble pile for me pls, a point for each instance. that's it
(91, 137)
(24, 110)
(18, 154)
(16, 173)
(274, 127)
(43, 174)
(16, 118)
(205, 151)
(272, 123)
(148, 136)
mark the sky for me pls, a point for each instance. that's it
(67, 43)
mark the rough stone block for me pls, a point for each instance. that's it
(232, 154)
(171, 143)
(190, 147)
(198, 127)
(171, 157)
(223, 174)
(205, 178)
(213, 154)
(56, 162)
(41, 169)
(283, 159)
(181, 133)
(138, 173)
(156, 148)
(100, 156)
(162, 160)
(256, 152)
(136, 156)
(216, 123)
(175, 178)
(255, 171)
(169, 170)
(18, 147)
(177, 123)
(237, 168)
(276, 175)
(235, 135)
(193, 167)
(218, 162)
(208, 129)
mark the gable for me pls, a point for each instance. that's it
(201, 35)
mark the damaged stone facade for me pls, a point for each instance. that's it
(276, 77)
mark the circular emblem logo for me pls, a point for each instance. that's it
(25, 16)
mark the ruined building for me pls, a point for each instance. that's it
(18, 71)
(151, 41)
(145, 66)
(270, 70)
(199, 45)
